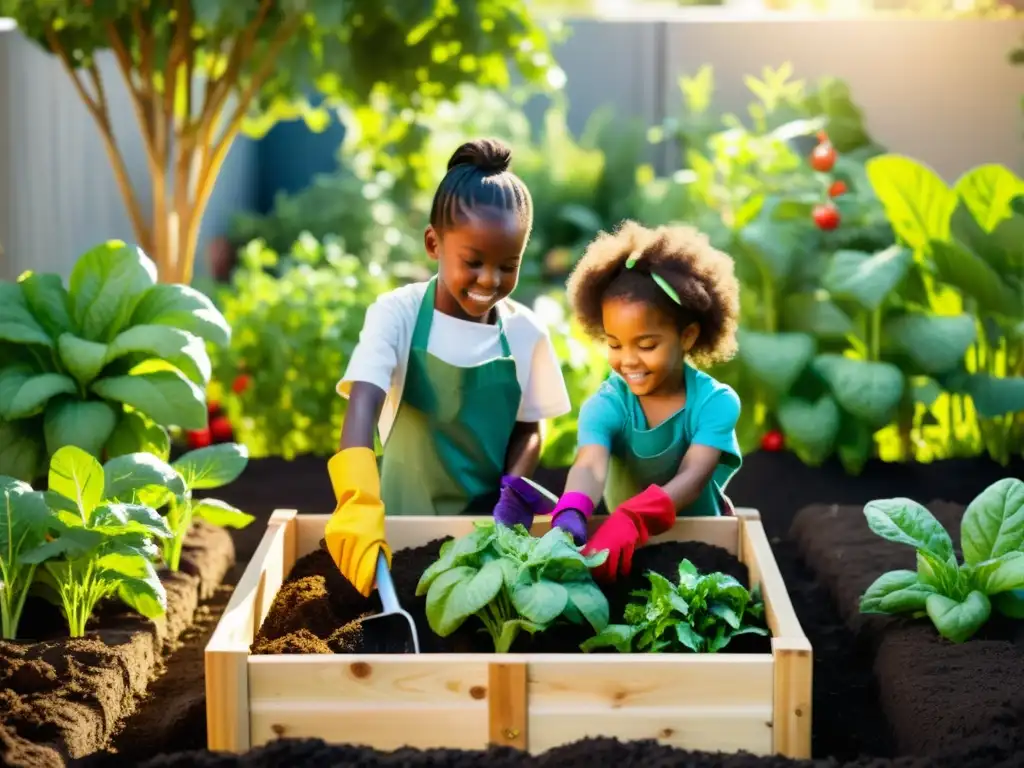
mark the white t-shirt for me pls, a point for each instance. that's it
(382, 354)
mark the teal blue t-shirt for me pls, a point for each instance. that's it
(712, 410)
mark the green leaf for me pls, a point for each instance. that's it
(86, 424)
(993, 523)
(816, 315)
(213, 466)
(24, 517)
(590, 601)
(1010, 604)
(916, 199)
(811, 428)
(135, 433)
(996, 396)
(937, 344)
(24, 394)
(540, 602)
(867, 279)
(17, 323)
(185, 350)
(988, 191)
(617, 636)
(867, 390)
(958, 621)
(777, 243)
(904, 521)
(48, 301)
(959, 267)
(143, 477)
(896, 592)
(116, 519)
(185, 308)
(21, 450)
(442, 620)
(217, 512)
(689, 637)
(165, 396)
(76, 475)
(1002, 574)
(510, 631)
(106, 284)
(775, 359)
(83, 359)
(138, 585)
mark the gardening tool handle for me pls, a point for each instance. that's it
(385, 586)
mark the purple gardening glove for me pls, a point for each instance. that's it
(519, 502)
(571, 515)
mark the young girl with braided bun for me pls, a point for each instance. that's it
(453, 374)
(658, 437)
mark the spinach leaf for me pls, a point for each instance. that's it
(957, 597)
(512, 582)
(701, 613)
(95, 547)
(24, 519)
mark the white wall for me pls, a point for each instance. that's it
(941, 91)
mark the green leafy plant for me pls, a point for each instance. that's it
(512, 582)
(293, 335)
(24, 519)
(957, 597)
(700, 614)
(104, 364)
(968, 240)
(96, 547)
(143, 478)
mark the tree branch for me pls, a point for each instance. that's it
(218, 90)
(99, 110)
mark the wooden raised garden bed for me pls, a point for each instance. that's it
(757, 702)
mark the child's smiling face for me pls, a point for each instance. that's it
(478, 262)
(645, 346)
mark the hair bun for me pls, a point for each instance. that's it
(489, 155)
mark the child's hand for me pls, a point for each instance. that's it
(633, 522)
(573, 522)
(518, 503)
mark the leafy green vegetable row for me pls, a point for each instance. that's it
(513, 582)
(97, 530)
(957, 597)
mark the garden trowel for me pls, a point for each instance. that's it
(397, 640)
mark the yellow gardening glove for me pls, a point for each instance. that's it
(355, 532)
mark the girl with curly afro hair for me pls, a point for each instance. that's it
(658, 437)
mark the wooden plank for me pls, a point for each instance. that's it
(226, 653)
(387, 701)
(794, 670)
(790, 647)
(506, 696)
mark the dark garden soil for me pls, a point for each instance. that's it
(940, 698)
(318, 611)
(62, 698)
(851, 727)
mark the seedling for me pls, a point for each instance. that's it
(512, 582)
(700, 614)
(957, 597)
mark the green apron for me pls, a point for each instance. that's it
(641, 457)
(445, 454)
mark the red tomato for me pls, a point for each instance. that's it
(241, 383)
(772, 441)
(838, 188)
(823, 157)
(826, 216)
(220, 429)
(199, 438)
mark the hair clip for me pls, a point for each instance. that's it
(634, 257)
